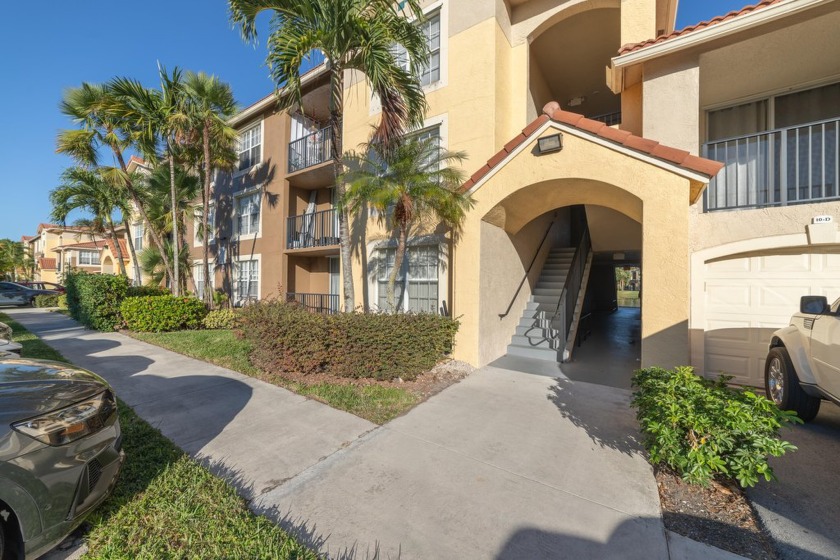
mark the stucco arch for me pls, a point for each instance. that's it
(525, 185)
(107, 265)
(533, 18)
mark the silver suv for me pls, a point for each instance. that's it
(803, 364)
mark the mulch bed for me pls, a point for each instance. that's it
(719, 515)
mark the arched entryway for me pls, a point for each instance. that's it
(107, 265)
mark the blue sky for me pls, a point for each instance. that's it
(68, 42)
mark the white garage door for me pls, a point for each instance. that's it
(748, 298)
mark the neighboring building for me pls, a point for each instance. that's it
(48, 262)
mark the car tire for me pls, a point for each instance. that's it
(2, 539)
(781, 386)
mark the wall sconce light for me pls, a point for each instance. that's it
(548, 144)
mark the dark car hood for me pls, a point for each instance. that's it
(32, 387)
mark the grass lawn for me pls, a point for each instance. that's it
(624, 294)
(165, 504)
(221, 347)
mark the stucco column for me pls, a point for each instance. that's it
(665, 282)
(465, 269)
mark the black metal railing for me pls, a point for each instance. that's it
(314, 229)
(565, 311)
(528, 270)
(318, 303)
(609, 119)
(791, 165)
(310, 150)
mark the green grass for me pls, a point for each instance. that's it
(221, 347)
(166, 505)
(624, 294)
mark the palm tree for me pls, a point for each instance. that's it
(93, 191)
(210, 103)
(355, 35)
(408, 185)
(155, 117)
(151, 262)
(91, 106)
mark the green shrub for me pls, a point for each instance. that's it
(286, 337)
(46, 300)
(221, 319)
(702, 428)
(140, 291)
(61, 301)
(94, 299)
(162, 313)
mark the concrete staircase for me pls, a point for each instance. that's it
(534, 338)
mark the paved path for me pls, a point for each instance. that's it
(503, 465)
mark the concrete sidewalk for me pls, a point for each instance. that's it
(503, 465)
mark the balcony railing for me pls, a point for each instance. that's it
(609, 119)
(318, 303)
(310, 150)
(792, 165)
(315, 229)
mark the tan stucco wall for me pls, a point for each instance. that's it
(611, 230)
(586, 173)
(638, 20)
(671, 104)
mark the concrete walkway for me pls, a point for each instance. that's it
(502, 465)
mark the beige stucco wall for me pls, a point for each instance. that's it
(585, 173)
(671, 102)
(611, 230)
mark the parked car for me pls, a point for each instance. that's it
(16, 294)
(44, 286)
(7, 345)
(803, 364)
(60, 452)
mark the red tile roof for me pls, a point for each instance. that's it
(44, 226)
(98, 244)
(26, 238)
(138, 160)
(123, 248)
(46, 264)
(552, 111)
(697, 27)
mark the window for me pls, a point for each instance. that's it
(88, 258)
(249, 147)
(247, 280)
(420, 272)
(248, 214)
(430, 72)
(138, 236)
(198, 277)
(211, 225)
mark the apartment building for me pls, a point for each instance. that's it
(54, 248)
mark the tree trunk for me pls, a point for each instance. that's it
(129, 240)
(117, 249)
(135, 198)
(205, 199)
(344, 240)
(399, 257)
(176, 241)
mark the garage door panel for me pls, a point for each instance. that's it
(748, 298)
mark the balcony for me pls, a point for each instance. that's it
(318, 303)
(793, 165)
(311, 150)
(312, 230)
(609, 119)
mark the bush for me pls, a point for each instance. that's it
(288, 338)
(46, 300)
(162, 313)
(94, 299)
(702, 428)
(62, 301)
(140, 291)
(221, 319)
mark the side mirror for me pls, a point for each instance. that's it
(813, 305)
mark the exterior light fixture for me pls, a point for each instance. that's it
(548, 144)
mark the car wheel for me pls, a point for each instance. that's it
(782, 386)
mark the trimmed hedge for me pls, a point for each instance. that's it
(162, 313)
(94, 299)
(46, 300)
(62, 301)
(140, 291)
(703, 429)
(286, 337)
(221, 319)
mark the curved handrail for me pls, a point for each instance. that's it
(527, 272)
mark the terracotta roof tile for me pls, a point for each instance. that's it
(696, 27)
(26, 238)
(46, 263)
(123, 248)
(98, 244)
(552, 111)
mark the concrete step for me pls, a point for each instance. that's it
(535, 353)
(557, 262)
(546, 299)
(552, 277)
(533, 306)
(557, 292)
(532, 342)
(534, 332)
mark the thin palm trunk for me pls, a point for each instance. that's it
(399, 258)
(343, 219)
(117, 249)
(208, 292)
(176, 241)
(135, 198)
(129, 240)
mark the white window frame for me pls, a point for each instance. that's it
(199, 265)
(261, 123)
(89, 253)
(247, 258)
(211, 224)
(142, 237)
(237, 235)
(442, 246)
